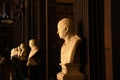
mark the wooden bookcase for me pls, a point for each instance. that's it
(64, 8)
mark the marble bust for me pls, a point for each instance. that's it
(14, 52)
(70, 70)
(22, 53)
(33, 52)
(33, 62)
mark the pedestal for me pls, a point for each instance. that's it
(70, 73)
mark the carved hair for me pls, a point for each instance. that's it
(68, 23)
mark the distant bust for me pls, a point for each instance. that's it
(33, 52)
(33, 63)
(68, 49)
(14, 52)
(22, 53)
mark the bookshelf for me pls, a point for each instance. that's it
(64, 9)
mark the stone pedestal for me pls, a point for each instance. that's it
(72, 73)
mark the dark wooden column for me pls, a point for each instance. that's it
(82, 29)
(108, 40)
(96, 40)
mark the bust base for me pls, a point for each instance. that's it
(73, 73)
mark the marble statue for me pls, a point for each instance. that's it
(14, 52)
(33, 61)
(22, 56)
(19, 52)
(22, 52)
(19, 59)
(70, 69)
(34, 50)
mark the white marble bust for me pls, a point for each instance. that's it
(14, 52)
(33, 51)
(22, 53)
(68, 49)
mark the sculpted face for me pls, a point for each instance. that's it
(65, 27)
(62, 30)
(22, 45)
(32, 42)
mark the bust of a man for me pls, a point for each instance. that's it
(33, 52)
(34, 61)
(66, 32)
(68, 50)
(22, 53)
